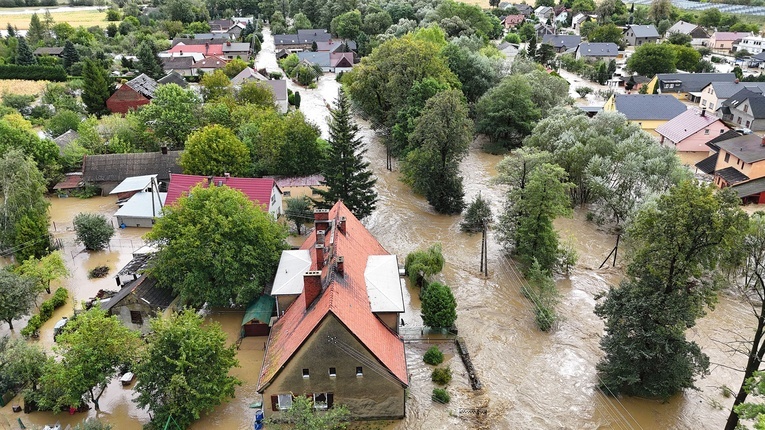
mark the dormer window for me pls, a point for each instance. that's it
(306, 374)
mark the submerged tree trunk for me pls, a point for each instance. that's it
(10, 322)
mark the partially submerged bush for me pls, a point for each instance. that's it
(441, 375)
(441, 396)
(433, 356)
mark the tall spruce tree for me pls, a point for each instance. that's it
(36, 32)
(345, 172)
(69, 56)
(148, 61)
(24, 56)
(97, 88)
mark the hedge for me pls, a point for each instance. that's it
(47, 307)
(33, 73)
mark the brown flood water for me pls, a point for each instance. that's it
(532, 380)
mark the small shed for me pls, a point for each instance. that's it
(141, 210)
(257, 318)
(73, 181)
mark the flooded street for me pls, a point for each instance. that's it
(531, 379)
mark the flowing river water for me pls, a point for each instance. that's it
(531, 379)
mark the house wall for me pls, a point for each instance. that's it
(653, 85)
(296, 192)
(752, 170)
(275, 208)
(688, 158)
(709, 99)
(135, 222)
(371, 396)
(282, 105)
(649, 125)
(128, 304)
(125, 99)
(721, 45)
(390, 319)
(742, 118)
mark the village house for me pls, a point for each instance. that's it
(261, 191)
(131, 186)
(54, 51)
(722, 41)
(139, 298)
(209, 65)
(561, 42)
(699, 36)
(141, 209)
(580, 19)
(71, 182)
(173, 77)
(745, 109)
(752, 44)
(541, 29)
(336, 46)
(108, 170)
(686, 85)
(233, 50)
(544, 13)
(689, 132)
(302, 41)
(332, 62)
(65, 139)
(740, 164)
(649, 111)
(300, 186)
(509, 50)
(277, 86)
(133, 94)
(605, 51)
(207, 49)
(337, 341)
(522, 8)
(215, 40)
(715, 93)
(183, 65)
(513, 21)
(636, 35)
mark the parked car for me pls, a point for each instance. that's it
(59, 327)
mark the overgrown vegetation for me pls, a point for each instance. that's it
(433, 356)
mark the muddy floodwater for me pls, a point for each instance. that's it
(531, 379)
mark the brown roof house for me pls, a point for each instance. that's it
(740, 164)
(107, 171)
(133, 94)
(336, 340)
(689, 133)
(278, 86)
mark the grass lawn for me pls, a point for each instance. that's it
(18, 86)
(85, 18)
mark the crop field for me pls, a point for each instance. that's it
(85, 18)
(18, 86)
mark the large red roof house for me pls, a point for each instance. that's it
(339, 299)
(262, 191)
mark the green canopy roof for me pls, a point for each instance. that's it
(260, 310)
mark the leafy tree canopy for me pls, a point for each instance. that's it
(213, 151)
(439, 308)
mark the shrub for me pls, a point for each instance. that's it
(17, 101)
(98, 272)
(59, 297)
(93, 231)
(33, 326)
(441, 396)
(46, 310)
(33, 73)
(441, 375)
(583, 91)
(433, 356)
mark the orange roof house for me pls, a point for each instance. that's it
(336, 339)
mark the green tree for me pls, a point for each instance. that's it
(478, 215)
(148, 60)
(63, 121)
(215, 85)
(526, 31)
(24, 56)
(710, 18)
(377, 22)
(442, 135)
(216, 247)
(347, 25)
(213, 151)
(97, 88)
(663, 26)
(687, 58)
(43, 271)
(346, 174)
(506, 113)
(36, 32)
(299, 211)
(678, 243)
(21, 364)
(531, 49)
(172, 114)
(93, 348)
(17, 296)
(651, 58)
(421, 265)
(681, 39)
(606, 33)
(24, 208)
(302, 415)
(419, 94)
(234, 67)
(439, 308)
(184, 370)
(660, 9)
(476, 72)
(93, 230)
(256, 93)
(300, 22)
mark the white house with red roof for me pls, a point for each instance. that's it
(339, 302)
(689, 133)
(261, 191)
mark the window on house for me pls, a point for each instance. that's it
(703, 103)
(285, 401)
(136, 318)
(332, 372)
(320, 401)
(305, 373)
(706, 131)
(738, 121)
(711, 106)
(747, 124)
(727, 156)
(359, 371)
(287, 193)
(746, 108)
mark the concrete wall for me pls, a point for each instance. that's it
(135, 222)
(122, 311)
(371, 396)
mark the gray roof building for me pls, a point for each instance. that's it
(561, 41)
(748, 147)
(645, 31)
(695, 31)
(638, 107)
(189, 41)
(143, 84)
(321, 59)
(173, 78)
(117, 167)
(65, 139)
(235, 47)
(597, 50)
(690, 82)
(55, 51)
(724, 90)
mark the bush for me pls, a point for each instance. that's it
(46, 310)
(33, 326)
(33, 73)
(63, 121)
(441, 375)
(113, 15)
(17, 101)
(583, 91)
(41, 112)
(93, 231)
(441, 396)
(433, 356)
(59, 297)
(98, 272)
(545, 318)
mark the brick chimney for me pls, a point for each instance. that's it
(341, 224)
(703, 112)
(319, 256)
(321, 219)
(340, 266)
(311, 286)
(762, 142)
(207, 47)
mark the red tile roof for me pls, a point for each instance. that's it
(345, 297)
(210, 49)
(257, 189)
